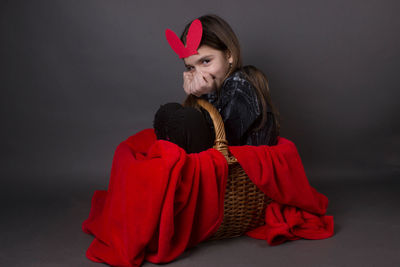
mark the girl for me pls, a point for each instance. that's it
(215, 73)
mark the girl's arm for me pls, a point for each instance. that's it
(239, 108)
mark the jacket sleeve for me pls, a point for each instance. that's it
(239, 109)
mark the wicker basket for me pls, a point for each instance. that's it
(244, 204)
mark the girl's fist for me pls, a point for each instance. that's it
(198, 83)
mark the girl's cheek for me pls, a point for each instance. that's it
(213, 72)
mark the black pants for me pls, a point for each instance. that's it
(184, 126)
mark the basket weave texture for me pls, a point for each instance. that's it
(244, 203)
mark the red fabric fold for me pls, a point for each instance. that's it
(297, 210)
(161, 201)
(157, 203)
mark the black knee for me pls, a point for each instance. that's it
(184, 126)
(161, 118)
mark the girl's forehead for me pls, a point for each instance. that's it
(203, 51)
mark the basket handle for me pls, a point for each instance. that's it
(220, 143)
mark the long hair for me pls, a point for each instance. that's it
(258, 79)
(218, 34)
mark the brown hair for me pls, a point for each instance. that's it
(218, 34)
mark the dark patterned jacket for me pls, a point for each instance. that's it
(241, 111)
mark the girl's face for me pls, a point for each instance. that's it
(209, 60)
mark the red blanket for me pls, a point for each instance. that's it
(161, 200)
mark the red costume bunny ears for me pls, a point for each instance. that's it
(193, 39)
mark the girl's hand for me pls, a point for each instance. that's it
(198, 83)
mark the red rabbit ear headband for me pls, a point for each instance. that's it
(193, 39)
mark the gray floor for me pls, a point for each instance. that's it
(41, 226)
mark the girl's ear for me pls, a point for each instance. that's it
(229, 56)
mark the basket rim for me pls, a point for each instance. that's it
(220, 142)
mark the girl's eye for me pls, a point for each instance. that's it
(204, 60)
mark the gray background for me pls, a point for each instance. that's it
(79, 77)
